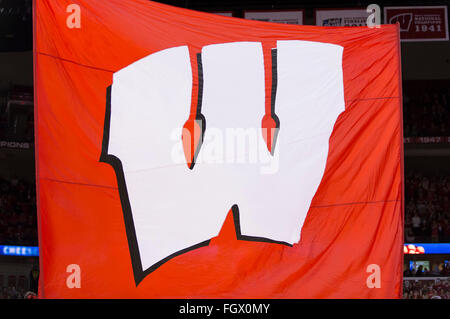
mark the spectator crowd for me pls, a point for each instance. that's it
(18, 222)
(427, 114)
(426, 289)
(12, 293)
(427, 208)
(441, 270)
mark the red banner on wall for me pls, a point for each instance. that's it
(126, 210)
(419, 23)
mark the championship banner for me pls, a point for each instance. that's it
(427, 140)
(278, 16)
(428, 23)
(341, 17)
(182, 154)
(15, 145)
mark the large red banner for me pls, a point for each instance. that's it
(118, 219)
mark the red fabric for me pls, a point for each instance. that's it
(356, 216)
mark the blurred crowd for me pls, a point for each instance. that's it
(427, 208)
(13, 293)
(426, 289)
(427, 114)
(437, 270)
(18, 224)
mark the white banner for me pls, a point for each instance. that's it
(223, 13)
(342, 18)
(287, 17)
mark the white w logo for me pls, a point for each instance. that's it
(171, 205)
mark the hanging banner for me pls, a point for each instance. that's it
(428, 23)
(427, 140)
(182, 154)
(223, 13)
(16, 145)
(278, 16)
(341, 17)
